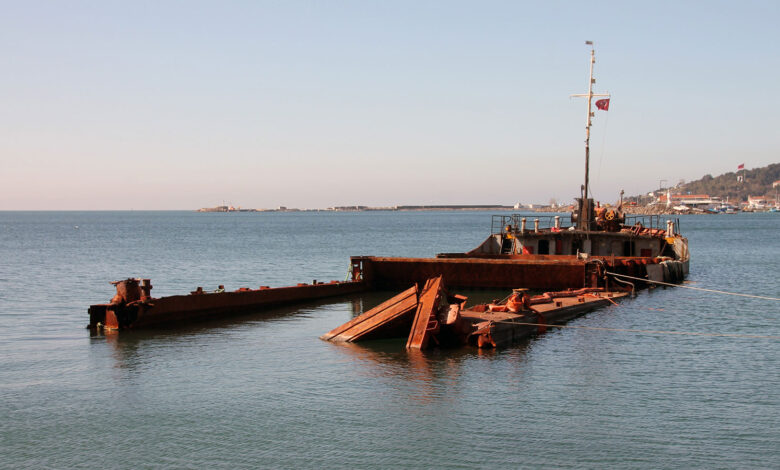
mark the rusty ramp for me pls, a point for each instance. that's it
(391, 318)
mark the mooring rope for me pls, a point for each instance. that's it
(694, 288)
(652, 332)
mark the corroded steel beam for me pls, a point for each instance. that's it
(389, 319)
(426, 322)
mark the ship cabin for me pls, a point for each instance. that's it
(611, 234)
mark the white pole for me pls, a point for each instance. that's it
(585, 218)
(587, 125)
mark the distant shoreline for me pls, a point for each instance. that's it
(440, 207)
(628, 210)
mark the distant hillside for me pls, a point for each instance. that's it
(758, 182)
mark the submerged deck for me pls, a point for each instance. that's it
(432, 317)
(497, 329)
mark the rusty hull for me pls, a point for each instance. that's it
(166, 311)
(539, 272)
(384, 272)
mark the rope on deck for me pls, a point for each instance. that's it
(694, 288)
(652, 332)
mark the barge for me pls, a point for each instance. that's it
(133, 307)
(554, 256)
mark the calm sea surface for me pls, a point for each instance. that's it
(262, 391)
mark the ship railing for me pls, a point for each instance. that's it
(546, 222)
(515, 221)
(648, 221)
(657, 221)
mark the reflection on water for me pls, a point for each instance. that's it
(434, 374)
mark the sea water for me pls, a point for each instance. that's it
(262, 391)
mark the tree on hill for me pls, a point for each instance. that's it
(758, 182)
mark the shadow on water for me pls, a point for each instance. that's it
(130, 343)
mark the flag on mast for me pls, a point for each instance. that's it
(740, 167)
(603, 104)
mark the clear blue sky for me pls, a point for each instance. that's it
(185, 104)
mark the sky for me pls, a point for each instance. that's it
(144, 105)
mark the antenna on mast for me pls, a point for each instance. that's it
(586, 205)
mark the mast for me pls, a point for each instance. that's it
(589, 119)
(585, 206)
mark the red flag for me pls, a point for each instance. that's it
(603, 104)
(741, 166)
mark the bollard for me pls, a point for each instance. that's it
(146, 287)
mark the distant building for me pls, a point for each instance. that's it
(701, 201)
(757, 202)
(214, 209)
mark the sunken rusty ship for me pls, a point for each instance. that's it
(584, 261)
